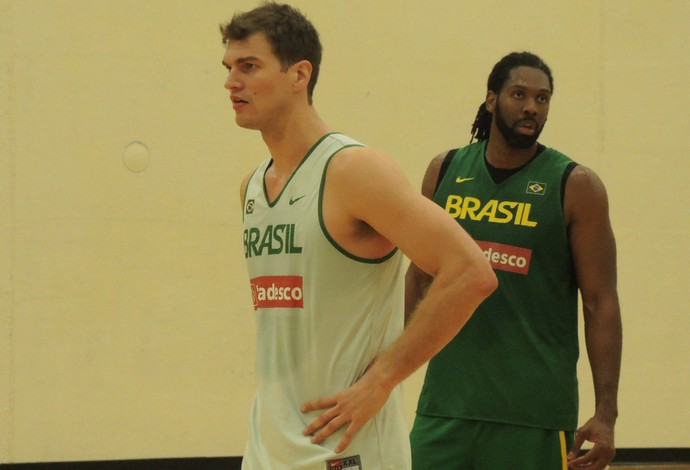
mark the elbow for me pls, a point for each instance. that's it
(475, 284)
(484, 279)
(480, 277)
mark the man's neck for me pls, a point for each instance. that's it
(501, 155)
(290, 141)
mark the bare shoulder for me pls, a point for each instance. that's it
(359, 158)
(371, 167)
(431, 175)
(436, 162)
(360, 170)
(584, 180)
(585, 194)
(584, 176)
(364, 194)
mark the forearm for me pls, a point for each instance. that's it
(451, 299)
(603, 337)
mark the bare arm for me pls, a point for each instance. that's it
(594, 253)
(417, 281)
(462, 279)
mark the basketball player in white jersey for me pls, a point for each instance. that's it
(326, 223)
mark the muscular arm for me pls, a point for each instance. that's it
(594, 253)
(462, 278)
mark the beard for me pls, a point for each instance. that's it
(512, 137)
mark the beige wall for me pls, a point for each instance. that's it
(126, 324)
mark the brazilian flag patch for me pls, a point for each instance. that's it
(534, 187)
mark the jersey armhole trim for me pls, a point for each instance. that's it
(322, 223)
(246, 191)
(444, 167)
(568, 170)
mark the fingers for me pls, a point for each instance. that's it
(349, 410)
(577, 444)
(581, 462)
(597, 458)
(333, 427)
(347, 438)
(324, 422)
(324, 426)
(320, 404)
(601, 454)
(328, 423)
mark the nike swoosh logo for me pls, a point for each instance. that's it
(295, 199)
(462, 180)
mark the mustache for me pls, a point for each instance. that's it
(522, 121)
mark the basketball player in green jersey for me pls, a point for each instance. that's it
(503, 393)
(324, 217)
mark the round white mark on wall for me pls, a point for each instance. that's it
(137, 156)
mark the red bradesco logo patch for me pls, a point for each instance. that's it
(278, 292)
(506, 257)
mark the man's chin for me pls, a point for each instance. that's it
(522, 141)
(244, 124)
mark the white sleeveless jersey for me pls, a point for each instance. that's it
(322, 316)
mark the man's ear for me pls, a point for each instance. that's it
(491, 98)
(303, 70)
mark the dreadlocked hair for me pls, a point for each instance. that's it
(481, 127)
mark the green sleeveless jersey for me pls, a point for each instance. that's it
(515, 360)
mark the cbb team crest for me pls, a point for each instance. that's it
(249, 207)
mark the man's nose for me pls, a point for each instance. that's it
(530, 107)
(231, 81)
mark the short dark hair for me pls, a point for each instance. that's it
(481, 128)
(291, 35)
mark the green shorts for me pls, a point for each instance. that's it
(460, 444)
